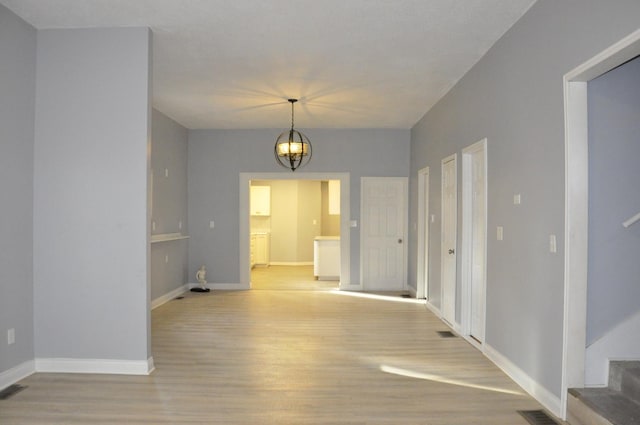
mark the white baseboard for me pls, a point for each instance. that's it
(291, 263)
(106, 366)
(413, 293)
(435, 310)
(350, 287)
(222, 286)
(163, 299)
(15, 374)
(545, 397)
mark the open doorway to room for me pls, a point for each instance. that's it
(577, 210)
(279, 250)
(294, 241)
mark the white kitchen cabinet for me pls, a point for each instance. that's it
(260, 200)
(259, 248)
(326, 257)
(252, 250)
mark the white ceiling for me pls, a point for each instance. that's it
(352, 63)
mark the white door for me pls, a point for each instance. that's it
(474, 237)
(383, 233)
(449, 229)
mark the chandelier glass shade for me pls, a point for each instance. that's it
(293, 148)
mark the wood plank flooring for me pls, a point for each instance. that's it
(288, 278)
(286, 357)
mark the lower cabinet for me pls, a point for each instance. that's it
(252, 250)
(326, 257)
(259, 249)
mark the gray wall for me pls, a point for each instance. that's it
(513, 96)
(614, 174)
(90, 202)
(216, 157)
(169, 206)
(17, 99)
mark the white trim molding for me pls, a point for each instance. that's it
(422, 278)
(435, 310)
(466, 245)
(15, 374)
(163, 299)
(549, 400)
(105, 366)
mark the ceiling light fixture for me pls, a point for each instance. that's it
(293, 148)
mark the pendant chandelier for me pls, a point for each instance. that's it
(293, 148)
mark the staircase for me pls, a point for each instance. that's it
(617, 404)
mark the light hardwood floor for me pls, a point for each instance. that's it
(288, 278)
(286, 357)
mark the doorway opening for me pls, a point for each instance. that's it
(577, 206)
(284, 179)
(294, 234)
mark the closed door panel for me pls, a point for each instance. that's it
(449, 230)
(383, 233)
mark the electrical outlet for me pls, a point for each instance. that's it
(11, 336)
(211, 224)
(166, 258)
(553, 246)
(499, 233)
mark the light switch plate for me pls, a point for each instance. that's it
(353, 223)
(553, 246)
(499, 233)
(517, 199)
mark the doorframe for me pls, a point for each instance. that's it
(577, 206)
(405, 227)
(422, 280)
(345, 214)
(454, 158)
(467, 242)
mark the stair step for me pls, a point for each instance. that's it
(624, 376)
(602, 406)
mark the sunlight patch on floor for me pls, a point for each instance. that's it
(436, 378)
(394, 298)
